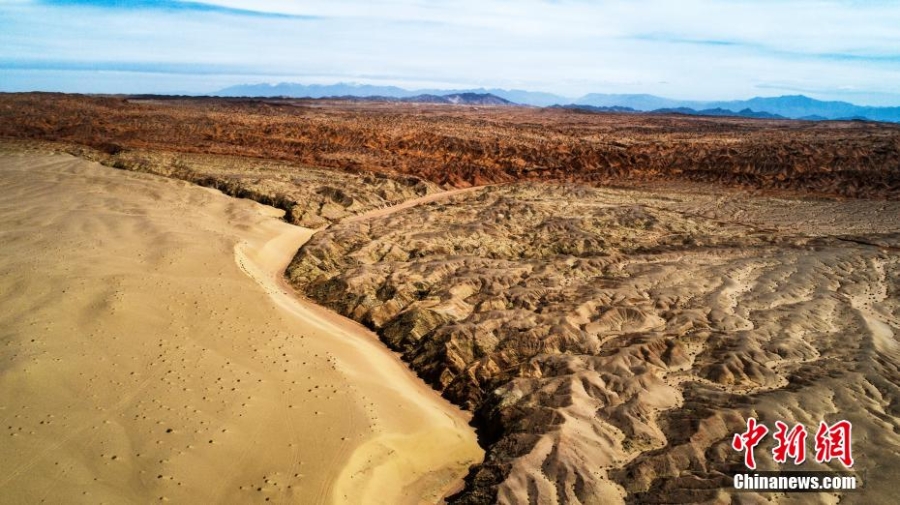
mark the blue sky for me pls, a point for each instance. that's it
(693, 49)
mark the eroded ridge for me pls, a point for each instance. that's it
(612, 342)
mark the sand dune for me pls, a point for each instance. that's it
(148, 352)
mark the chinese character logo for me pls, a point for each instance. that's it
(833, 442)
(748, 440)
(790, 444)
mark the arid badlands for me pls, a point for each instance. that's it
(326, 301)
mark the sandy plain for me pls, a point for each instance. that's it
(149, 352)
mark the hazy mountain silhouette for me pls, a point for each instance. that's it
(792, 106)
(365, 90)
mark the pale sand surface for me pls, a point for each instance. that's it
(149, 352)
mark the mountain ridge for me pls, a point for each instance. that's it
(295, 90)
(786, 106)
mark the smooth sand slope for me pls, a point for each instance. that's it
(148, 352)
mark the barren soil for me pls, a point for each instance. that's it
(463, 146)
(611, 342)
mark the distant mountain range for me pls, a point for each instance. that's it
(294, 90)
(788, 107)
(678, 110)
(792, 106)
(451, 99)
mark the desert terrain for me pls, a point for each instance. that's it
(611, 342)
(150, 353)
(610, 296)
(466, 146)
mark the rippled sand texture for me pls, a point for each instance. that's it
(611, 342)
(148, 352)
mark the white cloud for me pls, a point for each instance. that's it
(689, 49)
